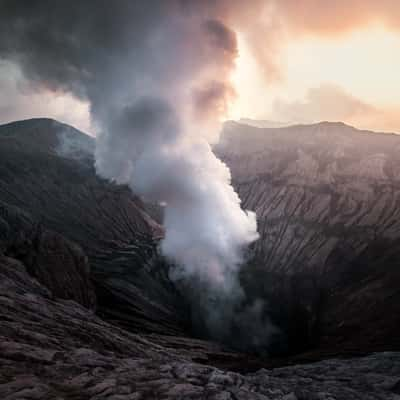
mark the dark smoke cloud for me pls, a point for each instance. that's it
(157, 77)
(221, 36)
(76, 47)
(212, 99)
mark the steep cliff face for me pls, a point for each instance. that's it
(47, 171)
(327, 198)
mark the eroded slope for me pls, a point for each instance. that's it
(327, 199)
(47, 170)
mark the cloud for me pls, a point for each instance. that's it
(336, 17)
(268, 25)
(19, 99)
(324, 103)
(332, 103)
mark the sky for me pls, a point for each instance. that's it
(352, 77)
(19, 99)
(297, 62)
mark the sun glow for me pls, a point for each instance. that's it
(365, 63)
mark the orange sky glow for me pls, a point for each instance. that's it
(356, 74)
(310, 60)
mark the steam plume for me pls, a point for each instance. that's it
(156, 75)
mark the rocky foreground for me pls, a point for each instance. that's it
(57, 349)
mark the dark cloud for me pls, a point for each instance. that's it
(212, 99)
(222, 37)
(73, 47)
(77, 47)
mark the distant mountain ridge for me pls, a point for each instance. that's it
(263, 123)
(266, 123)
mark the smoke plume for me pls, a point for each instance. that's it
(156, 76)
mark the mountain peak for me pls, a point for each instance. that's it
(48, 135)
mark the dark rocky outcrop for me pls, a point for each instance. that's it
(56, 262)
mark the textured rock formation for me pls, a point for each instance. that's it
(46, 170)
(57, 263)
(327, 199)
(57, 349)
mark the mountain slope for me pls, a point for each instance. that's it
(318, 262)
(47, 170)
(327, 199)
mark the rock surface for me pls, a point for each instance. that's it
(57, 263)
(327, 200)
(47, 170)
(57, 349)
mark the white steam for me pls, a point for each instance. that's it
(156, 75)
(206, 230)
(158, 144)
